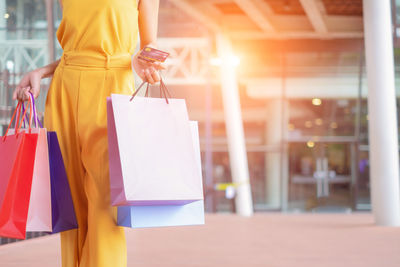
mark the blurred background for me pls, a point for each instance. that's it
(300, 71)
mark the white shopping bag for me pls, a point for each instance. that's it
(166, 215)
(151, 152)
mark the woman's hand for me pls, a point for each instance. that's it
(29, 83)
(147, 71)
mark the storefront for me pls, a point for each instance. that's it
(303, 105)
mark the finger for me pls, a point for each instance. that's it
(19, 95)
(23, 94)
(15, 93)
(159, 66)
(26, 95)
(149, 78)
(155, 75)
(142, 75)
(144, 62)
(35, 91)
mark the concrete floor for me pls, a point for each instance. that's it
(271, 240)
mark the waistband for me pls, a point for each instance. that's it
(96, 60)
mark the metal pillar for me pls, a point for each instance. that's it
(384, 153)
(234, 129)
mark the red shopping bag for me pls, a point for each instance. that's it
(17, 156)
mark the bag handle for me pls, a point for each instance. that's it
(19, 120)
(163, 90)
(25, 116)
(38, 124)
(12, 119)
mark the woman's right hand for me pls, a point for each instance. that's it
(29, 83)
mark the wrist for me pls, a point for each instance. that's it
(152, 44)
(41, 72)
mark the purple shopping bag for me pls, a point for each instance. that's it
(63, 212)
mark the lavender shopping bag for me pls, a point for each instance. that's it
(63, 212)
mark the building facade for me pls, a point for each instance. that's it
(303, 95)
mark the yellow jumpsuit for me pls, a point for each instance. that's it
(98, 37)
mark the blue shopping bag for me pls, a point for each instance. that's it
(163, 215)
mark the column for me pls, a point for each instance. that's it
(285, 151)
(273, 132)
(384, 157)
(234, 129)
(50, 29)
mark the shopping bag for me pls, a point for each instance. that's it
(9, 155)
(39, 211)
(161, 215)
(151, 155)
(51, 207)
(166, 215)
(63, 211)
(17, 157)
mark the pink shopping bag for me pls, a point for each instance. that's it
(39, 211)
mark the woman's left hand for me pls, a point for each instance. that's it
(147, 71)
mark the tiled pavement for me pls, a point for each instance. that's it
(270, 239)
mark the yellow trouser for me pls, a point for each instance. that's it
(76, 109)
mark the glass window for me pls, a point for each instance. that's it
(322, 117)
(25, 19)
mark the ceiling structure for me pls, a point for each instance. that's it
(278, 19)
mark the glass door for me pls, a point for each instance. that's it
(321, 176)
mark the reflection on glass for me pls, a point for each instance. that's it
(363, 182)
(25, 19)
(327, 117)
(263, 180)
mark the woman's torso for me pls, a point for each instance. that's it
(107, 27)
